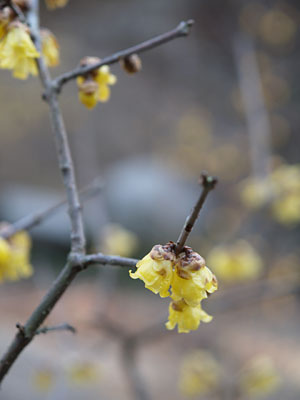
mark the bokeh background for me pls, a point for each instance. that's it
(225, 100)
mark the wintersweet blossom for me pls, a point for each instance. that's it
(186, 317)
(156, 270)
(94, 86)
(5, 17)
(184, 277)
(15, 257)
(236, 262)
(50, 48)
(17, 51)
(192, 280)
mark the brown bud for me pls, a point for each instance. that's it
(161, 253)
(88, 86)
(131, 64)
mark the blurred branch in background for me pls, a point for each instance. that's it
(30, 221)
(258, 124)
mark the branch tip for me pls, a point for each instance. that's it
(185, 26)
(208, 182)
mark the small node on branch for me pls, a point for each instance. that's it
(20, 328)
(208, 182)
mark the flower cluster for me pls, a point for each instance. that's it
(281, 190)
(94, 86)
(237, 262)
(17, 50)
(15, 257)
(184, 278)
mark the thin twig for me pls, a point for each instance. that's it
(62, 327)
(208, 183)
(30, 221)
(183, 29)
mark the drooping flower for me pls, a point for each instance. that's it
(199, 374)
(192, 279)
(50, 48)
(17, 51)
(186, 317)
(94, 86)
(52, 4)
(156, 270)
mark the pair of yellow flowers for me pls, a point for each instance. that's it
(18, 53)
(184, 278)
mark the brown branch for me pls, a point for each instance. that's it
(183, 29)
(208, 183)
(30, 221)
(103, 259)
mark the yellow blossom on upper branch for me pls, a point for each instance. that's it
(52, 4)
(183, 277)
(238, 262)
(94, 86)
(17, 51)
(50, 48)
(199, 375)
(15, 257)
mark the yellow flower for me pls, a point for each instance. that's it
(255, 192)
(199, 375)
(118, 240)
(237, 262)
(94, 86)
(5, 255)
(259, 377)
(14, 257)
(52, 4)
(17, 51)
(192, 279)
(104, 78)
(50, 48)
(186, 317)
(156, 270)
(194, 288)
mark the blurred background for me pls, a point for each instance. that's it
(225, 100)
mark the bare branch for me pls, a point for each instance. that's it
(62, 327)
(183, 29)
(208, 183)
(103, 259)
(30, 221)
(61, 139)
